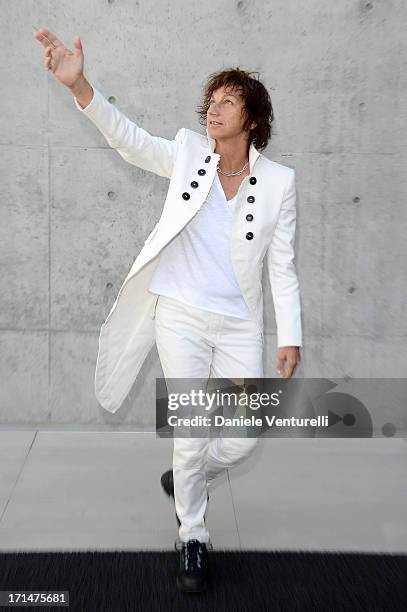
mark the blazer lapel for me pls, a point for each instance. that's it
(253, 152)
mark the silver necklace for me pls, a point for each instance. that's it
(231, 173)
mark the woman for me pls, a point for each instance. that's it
(203, 263)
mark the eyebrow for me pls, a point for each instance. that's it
(227, 94)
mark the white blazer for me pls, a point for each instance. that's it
(189, 161)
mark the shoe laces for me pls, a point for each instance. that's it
(193, 552)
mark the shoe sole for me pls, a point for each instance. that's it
(181, 587)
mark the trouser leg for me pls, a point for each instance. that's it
(238, 354)
(193, 343)
(185, 353)
(190, 487)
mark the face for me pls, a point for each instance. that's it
(226, 109)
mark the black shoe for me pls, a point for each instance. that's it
(193, 567)
(167, 483)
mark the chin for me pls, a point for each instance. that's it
(215, 134)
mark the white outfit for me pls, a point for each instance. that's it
(196, 266)
(263, 230)
(195, 343)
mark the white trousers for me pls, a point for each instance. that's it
(197, 343)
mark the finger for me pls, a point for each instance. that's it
(46, 37)
(42, 34)
(77, 43)
(44, 40)
(290, 369)
(49, 63)
(280, 365)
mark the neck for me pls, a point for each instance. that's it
(233, 154)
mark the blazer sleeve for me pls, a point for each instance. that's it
(132, 142)
(282, 273)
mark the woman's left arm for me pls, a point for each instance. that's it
(282, 272)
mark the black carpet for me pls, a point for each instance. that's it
(110, 581)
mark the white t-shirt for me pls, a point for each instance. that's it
(195, 266)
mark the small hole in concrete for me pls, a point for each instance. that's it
(388, 430)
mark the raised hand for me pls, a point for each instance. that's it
(65, 65)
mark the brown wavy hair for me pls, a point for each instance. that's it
(256, 102)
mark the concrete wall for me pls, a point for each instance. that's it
(74, 214)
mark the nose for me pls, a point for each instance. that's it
(212, 111)
(214, 116)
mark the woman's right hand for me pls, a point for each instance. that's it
(65, 65)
